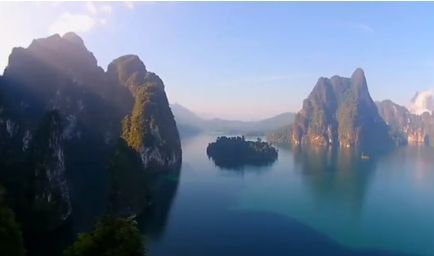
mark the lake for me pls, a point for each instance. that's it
(309, 202)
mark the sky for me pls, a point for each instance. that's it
(246, 60)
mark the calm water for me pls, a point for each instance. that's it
(310, 202)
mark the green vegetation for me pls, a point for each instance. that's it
(233, 152)
(340, 112)
(36, 178)
(62, 114)
(151, 124)
(11, 241)
(405, 127)
(110, 237)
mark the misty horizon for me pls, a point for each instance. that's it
(216, 128)
(272, 55)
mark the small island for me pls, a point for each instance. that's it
(235, 152)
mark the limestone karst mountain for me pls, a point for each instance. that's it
(150, 128)
(405, 127)
(61, 119)
(340, 111)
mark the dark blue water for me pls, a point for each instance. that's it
(309, 202)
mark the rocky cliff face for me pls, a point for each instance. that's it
(51, 197)
(78, 139)
(150, 129)
(9, 130)
(149, 137)
(340, 112)
(406, 127)
(60, 73)
(56, 73)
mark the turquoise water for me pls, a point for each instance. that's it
(309, 202)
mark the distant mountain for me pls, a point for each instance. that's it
(187, 120)
(185, 115)
(405, 127)
(339, 112)
(281, 135)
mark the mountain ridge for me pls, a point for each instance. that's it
(339, 111)
(188, 119)
(62, 118)
(407, 127)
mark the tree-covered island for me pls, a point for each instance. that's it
(234, 152)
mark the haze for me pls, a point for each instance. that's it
(245, 60)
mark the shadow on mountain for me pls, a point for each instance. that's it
(162, 188)
(50, 244)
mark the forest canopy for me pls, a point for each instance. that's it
(234, 152)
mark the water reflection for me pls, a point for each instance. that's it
(419, 158)
(307, 197)
(241, 169)
(238, 164)
(335, 174)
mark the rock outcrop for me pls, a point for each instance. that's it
(340, 112)
(51, 197)
(56, 73)
(150, 129)
(405, 127)
(62, 116)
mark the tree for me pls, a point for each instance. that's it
(11, 241)
(110, 237)
(234, 152)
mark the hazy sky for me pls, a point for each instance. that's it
(245, 60)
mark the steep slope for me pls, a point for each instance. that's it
(51, 199)
(405, 126)
(59, 73)
(150, 129)
(61, 120)
(12, 141)
(339, 111)
(128, 191)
